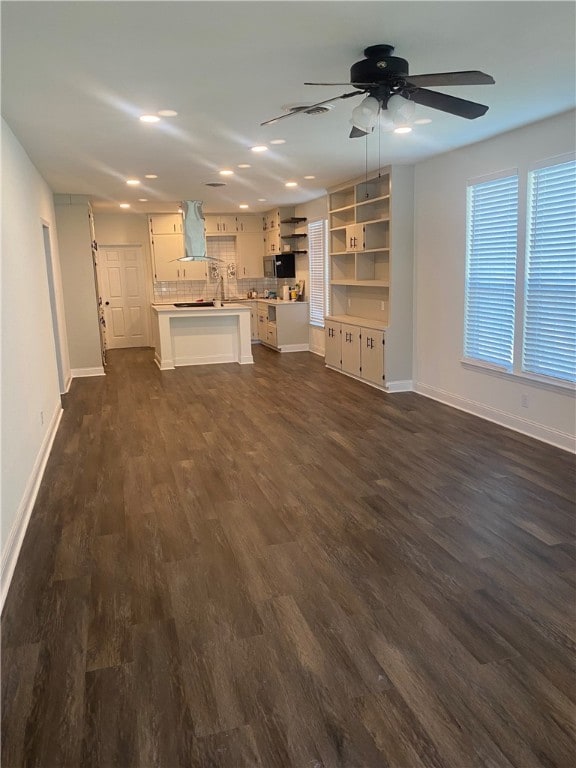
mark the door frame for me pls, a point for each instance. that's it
(148, 277)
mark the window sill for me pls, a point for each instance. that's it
(540, 382)
(316, 324)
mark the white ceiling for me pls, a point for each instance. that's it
(76, 76)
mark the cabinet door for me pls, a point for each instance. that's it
(167, 249)
(250, 255)
(373, 355)
(193, 270)
(248, 223)
(332, 344)
(262, 326)
(351, 349)
(166, 224)
(355, 237)
(211, 225)
(228, 224)
(254, 323)
(273, 242)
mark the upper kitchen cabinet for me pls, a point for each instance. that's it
(249, 255)
(248, 224)
(219, 224)
(167, 249)
(166, 223)
(281, 231)
(371, 268)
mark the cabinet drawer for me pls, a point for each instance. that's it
(271, 335)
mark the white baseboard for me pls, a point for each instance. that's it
(317, 351)
(67, 383)
(15, 538)
(554, 437)
(294, 348)
(80, 373)
(400, 386)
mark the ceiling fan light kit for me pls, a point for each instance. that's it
(389, 87)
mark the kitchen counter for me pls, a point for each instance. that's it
(201, 335)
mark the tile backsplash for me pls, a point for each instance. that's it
(192, 290)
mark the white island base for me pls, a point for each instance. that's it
(201, 335)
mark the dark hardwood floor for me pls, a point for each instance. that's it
(277, 566)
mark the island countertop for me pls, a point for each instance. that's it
(171, 308)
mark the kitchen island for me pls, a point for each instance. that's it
(201, 335)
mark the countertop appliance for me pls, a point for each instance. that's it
(281, 265)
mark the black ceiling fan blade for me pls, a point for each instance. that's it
(469, 77)
(356, 133)
(298, 110)
(451, 104)
(360, 85)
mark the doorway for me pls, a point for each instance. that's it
(121, 276)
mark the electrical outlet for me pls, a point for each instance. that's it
(524, 400)
(382, 306)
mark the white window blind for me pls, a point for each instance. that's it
(550, 289)
(317, 235)
(491, 251)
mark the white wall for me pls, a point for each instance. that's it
(313, 210)
(79, 285)
(31, 405)
(440, 226)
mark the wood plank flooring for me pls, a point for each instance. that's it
(277, 566)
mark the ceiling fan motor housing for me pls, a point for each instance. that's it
(378, 66)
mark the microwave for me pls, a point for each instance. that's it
(280, 265)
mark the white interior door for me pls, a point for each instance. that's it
(122, 281)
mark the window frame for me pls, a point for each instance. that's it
(317, 322)
(510, 173)
(517, 373)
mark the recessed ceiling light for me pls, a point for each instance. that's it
(403, 129)
(291, 184)
(124, 205)
(226, 172)
(142, 199)
(262, 200)
(151, 176)
(259, 148)
(423, 121)
(133, 182)
(167, 112)
(309, 177)
(149, 118)
(278, 141)
(243, 205)
(244, 165)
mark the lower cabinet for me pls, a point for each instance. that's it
(284, 325)
(357, 350)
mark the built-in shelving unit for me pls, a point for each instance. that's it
(371, 276)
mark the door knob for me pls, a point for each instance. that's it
(107, 303)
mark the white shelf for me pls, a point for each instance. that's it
(369, 200)
(364, 283)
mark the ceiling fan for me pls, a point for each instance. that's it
(386, 80)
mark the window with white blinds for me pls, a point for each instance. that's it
(549, 347)
(319, 280)
(491, 252)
